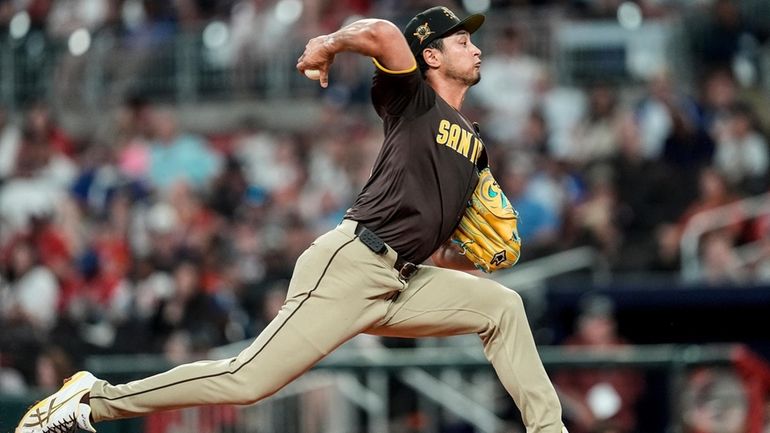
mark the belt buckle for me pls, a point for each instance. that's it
(406, 271)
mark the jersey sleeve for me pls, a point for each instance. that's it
(400, 93)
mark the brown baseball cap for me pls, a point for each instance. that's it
(435, 23)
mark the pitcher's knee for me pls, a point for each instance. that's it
(245, 395)
(514, 301)
(511, 304)
(500, 301)
(250, 395)
(504, 308)
(247, 391)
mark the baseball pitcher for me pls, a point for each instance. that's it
(430, 194)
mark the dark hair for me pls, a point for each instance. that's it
(437, 44)
(741, 108)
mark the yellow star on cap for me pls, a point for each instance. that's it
(423, 32)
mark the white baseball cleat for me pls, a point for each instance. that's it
(62, 411)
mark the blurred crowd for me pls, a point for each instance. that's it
(163, 240)
(161, 237)
(148, 19)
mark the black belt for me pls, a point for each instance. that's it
(405, 269)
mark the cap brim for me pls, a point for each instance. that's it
(469, 24)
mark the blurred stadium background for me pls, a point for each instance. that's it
(162, 165)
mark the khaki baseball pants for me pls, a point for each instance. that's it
(339, 289)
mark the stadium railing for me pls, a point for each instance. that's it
(349, 390)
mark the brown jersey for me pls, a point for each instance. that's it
(426, 170)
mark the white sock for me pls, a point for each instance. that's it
(84, 417)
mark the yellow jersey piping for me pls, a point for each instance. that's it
(389, 71)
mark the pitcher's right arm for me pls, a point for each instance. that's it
(376, 38)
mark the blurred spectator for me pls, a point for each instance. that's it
(562, 109)
(641, 207)
(598, 400)
(594, 137)
(713, 193)
(141, 46)
(178, 348)
(508, 86)
(727, 36)
(719, 93)
(654, 112)
(726, 230)
(134, 131)
(38, 10)
(272, 299)
(10, 140)
(190, 309)
(667, 259)
(53, 366)
(538, 225)
(198, 225)
(100, 182)
(66, 16)
(31, 295)
(229, 189)
(270, 161)
(761, 268)
(721, 263)
(759, 236)
(43, 128)
(714, 401)
(557, 189)
(328, 190)
(248, 249)
(152, 286)
(532, 144)
(161, 240)
(333, 14)
(717, 42)
(742, 152)
(595, 218)
(687, 150)
(38, 185)
(285, 240)
(57, 249)
(178, 156)
(7, 11)
(148, 24)
(596, 8)
(11, 380)
(104, 297)
(252, 50)
(193, 14)
(688, 147)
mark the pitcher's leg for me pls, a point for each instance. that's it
(326, 280)
(442, 302)
(277, 356)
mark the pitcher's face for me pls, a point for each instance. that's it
(461, 60)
